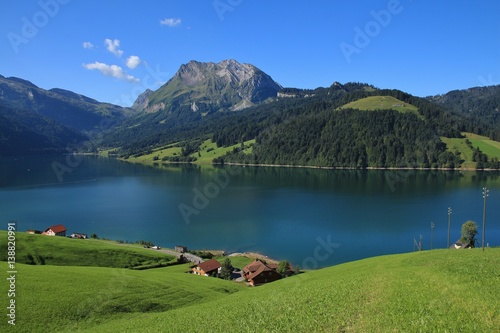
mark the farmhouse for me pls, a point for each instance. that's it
(55, 230)
(258, 272)
(207, 268)
(33, 232)
(79, 235)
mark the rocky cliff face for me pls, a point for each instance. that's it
(142, 100)
(210, 87)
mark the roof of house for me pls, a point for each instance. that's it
(209, 265)
(56, 228)
(256, 267)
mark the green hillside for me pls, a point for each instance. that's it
(205, 153)
(70, 298)
(437, 291)
(45, 250)
(381, 103)
(489, 147)
(431, 291)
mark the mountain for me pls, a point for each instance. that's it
(24, 133)
(62, 106)
(210, 87)
(142, 100)
(310, 128)
(480, 105)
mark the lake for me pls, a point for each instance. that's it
(314, 218)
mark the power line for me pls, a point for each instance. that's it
(485, 195)
(449, 218)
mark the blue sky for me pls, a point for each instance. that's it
(113, 50)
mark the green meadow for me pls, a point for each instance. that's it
(46, 250)
(430, 291)
(433, 291)
(208, 150)
(373, 103)
(487, 146)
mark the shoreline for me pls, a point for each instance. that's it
(306, 166)
(254, 255)
(158, 163)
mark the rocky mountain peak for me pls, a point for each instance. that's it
(227, 85)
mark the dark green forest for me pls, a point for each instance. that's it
(312, 131)
(353, 139)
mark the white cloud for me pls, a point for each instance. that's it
(111, 70)
(113, 46)
(171, 22)
(133, 61)
(87, 45)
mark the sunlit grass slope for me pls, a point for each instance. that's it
(433, 291)
(487, 146)
(373, 103)
(47, 250)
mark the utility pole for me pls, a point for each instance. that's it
(485, 195)
(432, 232)
(449, 217)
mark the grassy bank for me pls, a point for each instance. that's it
(46, 250)
(431, 291)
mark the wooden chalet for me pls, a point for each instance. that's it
(207, 268)
(258, 272)
(55, 230)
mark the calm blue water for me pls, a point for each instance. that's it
(313, 218)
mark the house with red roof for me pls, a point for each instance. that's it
(55, 230)
(207, 268)
(258, 272)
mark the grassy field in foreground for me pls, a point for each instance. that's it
(432, 291)
(69, 298)
(46, 250)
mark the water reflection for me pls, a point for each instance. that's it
(279, 211)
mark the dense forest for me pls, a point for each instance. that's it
(350, 138)
(478, 107)
(314, 131)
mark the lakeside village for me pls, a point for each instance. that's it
(260, 271)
